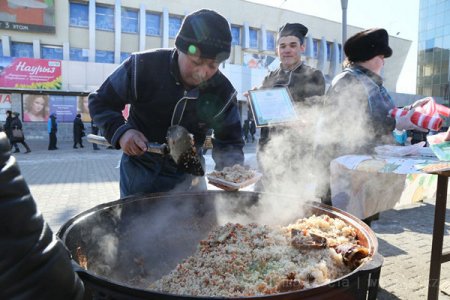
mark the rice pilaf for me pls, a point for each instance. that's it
(250, 260)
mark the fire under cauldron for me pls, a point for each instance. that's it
(128, 243)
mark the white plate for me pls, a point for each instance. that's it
(235, 185)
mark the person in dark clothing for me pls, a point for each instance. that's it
(34, 263)
(418, 136)
(246, 129)
(17, 124)
(52, 127)
(306, 85)
(252, 129)
(8, 130)
(78, 131)
(94, 130)
(165, 87)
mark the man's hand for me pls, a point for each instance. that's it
(133, 142)
(419, 103)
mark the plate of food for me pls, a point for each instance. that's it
(234, 178)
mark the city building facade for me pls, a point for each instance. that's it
(82, 42)
(434, 49)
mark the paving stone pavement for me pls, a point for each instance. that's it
(68, 181)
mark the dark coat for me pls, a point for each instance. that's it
(16, 123)
(34, 263)
(78, 129)
(7, 126)
(150, 82)
(306, 86)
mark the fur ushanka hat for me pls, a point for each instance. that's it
(367, 44)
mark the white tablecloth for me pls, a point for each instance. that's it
(364, 185)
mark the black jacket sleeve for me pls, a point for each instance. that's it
(34, 264)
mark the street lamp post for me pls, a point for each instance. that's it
(344, 4)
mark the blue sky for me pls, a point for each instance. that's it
(400, 18)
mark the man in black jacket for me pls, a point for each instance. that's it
(34, 264)
(165, 87)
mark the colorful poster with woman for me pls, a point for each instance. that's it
(35, 108)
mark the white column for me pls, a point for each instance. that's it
(36, 49)
(117, 31)
(263, 44)
(322, 59)
(335, 62)
(142, 27)
(246, 36)
(66, 51)
(165, 29)
(309, 52)
(91, 57)
(6, 45)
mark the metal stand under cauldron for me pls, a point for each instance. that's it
(437, 256)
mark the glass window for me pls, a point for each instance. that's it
(104, 18)
(52, 52)
(174, 26)
(153, 24)
(21, 49)
(270, 40)
(103, 56)
(236, 35)
(79, 14)
(129, 20)
(253, 38)
(79, 54)
(1, 48)
(124, 55)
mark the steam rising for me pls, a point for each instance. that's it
(295, 164)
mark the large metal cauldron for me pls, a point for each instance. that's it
(133, 241)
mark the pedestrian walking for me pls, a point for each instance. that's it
(94, 130)
(252, 129)
(8, 130)
(245, 130)
(78, 132)
(52, 127)
(17, 135)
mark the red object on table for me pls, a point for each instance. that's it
(419, 119)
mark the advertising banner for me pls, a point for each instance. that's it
(65, 107)
(28, 15)
(30, 73)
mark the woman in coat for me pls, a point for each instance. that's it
(17, 124)
(78, 131)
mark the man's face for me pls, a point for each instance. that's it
(289, 50)
(195, 70)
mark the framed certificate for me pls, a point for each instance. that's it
(272, 106)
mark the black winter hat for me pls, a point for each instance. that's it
(367, 44)
(207, 31)
(295, 29)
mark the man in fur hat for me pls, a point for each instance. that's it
(165, 87)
